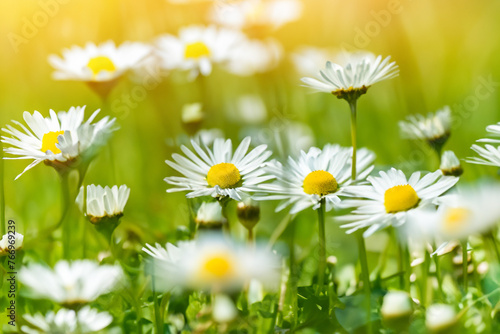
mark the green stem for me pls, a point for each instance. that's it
(425, 275)
(495, 246)
(158, 316)
(251, 236)
(438, 277)
(407, 261)
(322, 247)
(293, 276)
(465, 264)
(66, 227)
(352, 105)
(365, 274)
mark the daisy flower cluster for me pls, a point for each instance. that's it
(258, 229)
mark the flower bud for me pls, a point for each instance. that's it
(450, 165)
(192, 117)
(15, 240)
(248, 213)
(209, 216)
(441, 318)
(396, 310)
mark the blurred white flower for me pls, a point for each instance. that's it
(450, 165)
(219, 172)
(440, 318)
(103, 62)
(210, 213)
(318, 175)
(246, 109)
(207, 137)
(223, 309)
(390, 197)
(66, 321)
(213, 263)
(396, 304)
(256, 13)
(433, 128)
(104, 201)
(197, 48)
(251, 57)
(14, 240)
(353, 73)
(192, 112)
(307, 59)
(471, 210)
(57, 140)
(490, 155)
(70, 283)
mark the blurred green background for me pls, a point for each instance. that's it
(446, 50)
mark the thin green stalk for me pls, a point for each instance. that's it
(158, 316)
(438, 276)
(322, 247)
(352, 105)
(293, 276)
(251, 237)
(465, 264)
(365, 274)
(2, 192)
(401, 268)
(425, 275)
(495, 246)
(66, 227)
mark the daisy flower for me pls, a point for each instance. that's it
(450, 165)
(390, 197)
(104, 202)
(307, 59)
(473, 210)
(219, 172)
(86, 320)
(98, 63)
(490, 155)
(213, 263)
(60, 140)
(256, 14)
(434, 129)
(10, 243)
(197, 48)
(354, 74)
(254, 56)
(70, 283)
(316, 176)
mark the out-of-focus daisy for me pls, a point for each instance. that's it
(70, 284)
(256, 16)
(390, 197)
(104, 202)
(219, 172)
(353, 76)
(86, 320)
(14, 240)
(197, 48)
(440, 318)
(473, 210)
(207, 137)
(307, 59)
(223, 309)
(397, 308)
(490, 155)
(450, 165)
(61, 140)
(254, 56)
(247, 109)
(213, 263)
(209, 215)
(103, 62)
(316, 176)
(170, 253)
(434, 129)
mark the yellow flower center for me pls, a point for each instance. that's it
(224, 175)
(400, 198)
(50, 140)
(320, 183)
(455, 218)
(196, 50)
(217, 265)
(101, 63)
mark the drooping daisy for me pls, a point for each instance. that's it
(104, 202)
(70, 283)
(10, 243)
(61, 140)
(254, 56)
(257, 15)
(472, 210)
(103, 62)
(316, 176)
(86, 320)
(490, 155)
(450, 165)
(434, 129)
(213, 263)
(352, 75)
(389, 198)
(197, 48)
(219, 172)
